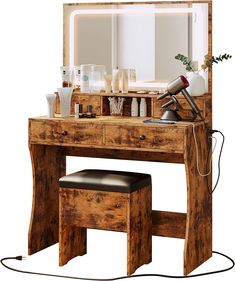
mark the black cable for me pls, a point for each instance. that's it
(221, 150)
(122, 277)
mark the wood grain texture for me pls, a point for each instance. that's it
(170, 139)
(198, 240)
(168, 224)
(48, 166)
(153, 156)
(100, 104)
(125, 212)
(72, 242)
(138, 3)
(94, 209)
(203, 103)
(118, 133)
(210, 53)
(139, 230)
(55, 132)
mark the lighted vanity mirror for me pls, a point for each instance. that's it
(144, 37)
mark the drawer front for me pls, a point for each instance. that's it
(88, 133)
(51, 132)
(54, 132)
(185, 113)
(170, 139)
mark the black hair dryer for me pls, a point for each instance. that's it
(176, 86)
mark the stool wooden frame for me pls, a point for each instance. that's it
(80, 209)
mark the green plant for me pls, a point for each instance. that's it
(208, 62)
(186, 61)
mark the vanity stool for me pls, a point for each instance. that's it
(108, 200)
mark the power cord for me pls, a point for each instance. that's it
(211, 132)
(219, 159)
(20, 258)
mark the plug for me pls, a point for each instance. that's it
(20, 258)
(211, 132)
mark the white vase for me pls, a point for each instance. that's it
(196, 84)
(65, 95)
(204, 74)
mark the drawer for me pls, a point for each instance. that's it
(55, 132)
(170, 139)
(88, 133)
(185, 113)
(51, 131)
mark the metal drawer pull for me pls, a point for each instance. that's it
(64, 133)
(142, 137)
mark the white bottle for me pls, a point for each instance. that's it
(85, 77)
(115, 81)
(124, 80)
(134, 107)
(143, 108)
(51, 105)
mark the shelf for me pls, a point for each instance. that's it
(134, 94)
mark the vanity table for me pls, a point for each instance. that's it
(128, 138)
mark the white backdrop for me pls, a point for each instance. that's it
(30, 57)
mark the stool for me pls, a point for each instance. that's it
(108, 200)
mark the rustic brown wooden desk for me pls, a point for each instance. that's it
(51, 140)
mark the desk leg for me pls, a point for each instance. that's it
(198, 237)
(48, 166)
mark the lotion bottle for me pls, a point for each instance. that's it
(143, 108)
(115, 81)
(124, 80)
(134, 107)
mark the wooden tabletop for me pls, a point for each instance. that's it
(114, 120)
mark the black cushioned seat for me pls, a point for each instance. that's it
(105, 180)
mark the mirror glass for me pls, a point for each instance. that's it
(144, 37)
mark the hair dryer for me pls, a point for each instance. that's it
(176, 86)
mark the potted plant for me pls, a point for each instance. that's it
(199, 84)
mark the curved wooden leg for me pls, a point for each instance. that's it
(198, 238)
(48, 166)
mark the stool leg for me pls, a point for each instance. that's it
(139, 229)
(72, 238)
(72, 243)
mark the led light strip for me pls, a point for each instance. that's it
(132, 11)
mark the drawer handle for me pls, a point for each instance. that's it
(142, 137)
(64, 133)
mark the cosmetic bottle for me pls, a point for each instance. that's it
(115, 81)
(108, 83)
(134, 107)
(51, 98)
(78, 110)
(143, 108)
(124, 81)
(97, 78)
(85, 77)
